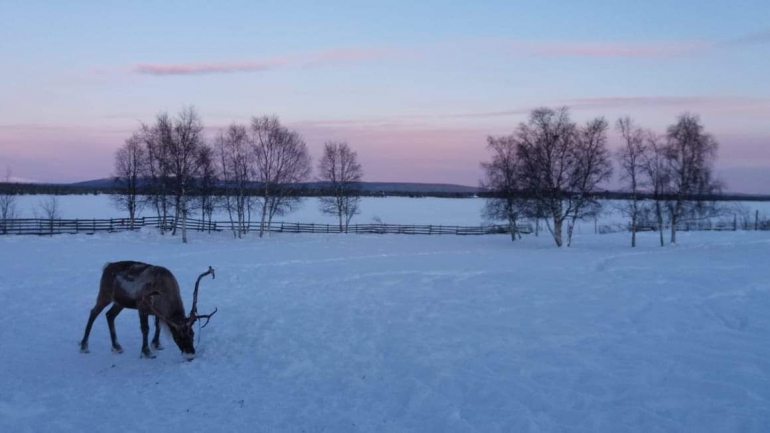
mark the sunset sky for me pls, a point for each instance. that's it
(414, 87)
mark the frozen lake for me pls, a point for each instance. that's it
(390, 210)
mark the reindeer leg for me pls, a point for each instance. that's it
(112, 313)
(156, 339)
(145, 324)
(100, 304)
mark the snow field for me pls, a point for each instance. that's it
(349, 333)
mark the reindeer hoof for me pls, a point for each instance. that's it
(157, 346)
(84, 350)
(117, 349)
(147, 354)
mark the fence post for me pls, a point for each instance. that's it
(735, 222)
(756, 220)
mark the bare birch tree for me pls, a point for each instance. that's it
(339, 167)
(563, 165)
(281, 160)
(656, 170)
(157, 140)
(206, 183)
(690, 153)
(545, 146)
(236, 168)
(503, 179)
(7, 202)
(50, 210)
(184, 162)
(631, 157)
(592, 167)
(130, 163)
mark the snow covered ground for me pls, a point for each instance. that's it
(354, 333)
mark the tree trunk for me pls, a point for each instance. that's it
(248, 204)
(660, 231)
(633, 230)
(659, 216)
(673, 228)
(156, 202)
(570, 230)
(184, 222)
(557, 223)
(270, 221)
(756, 220)
(228, 203)
(176, 216)
(265, 204)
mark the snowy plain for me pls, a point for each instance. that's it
(397, 333)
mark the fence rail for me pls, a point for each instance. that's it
(686, 226)
(707, 225)
(42, 227)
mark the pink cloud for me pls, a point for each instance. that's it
(758, 106)
(542, 48)
(608, 49)
(210, 68)
(343, 55)
(641, 101)
(306, 60)
(599, 49)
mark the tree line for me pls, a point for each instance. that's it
(551, 169)
(247, 170)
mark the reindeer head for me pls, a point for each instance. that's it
(184, 336)
(182, 328)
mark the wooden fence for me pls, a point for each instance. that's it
(90, 226)
(707, 225)
(686, 226)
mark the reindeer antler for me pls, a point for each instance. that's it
(205, 316)
(194, 310)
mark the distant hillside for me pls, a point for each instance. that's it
(370, 187)
(309, 189)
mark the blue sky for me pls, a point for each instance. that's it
(415, 87)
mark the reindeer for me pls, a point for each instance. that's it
(151, 290)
